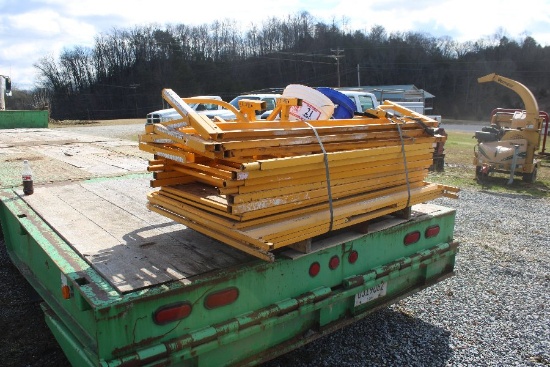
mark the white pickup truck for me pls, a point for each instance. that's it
(363, 100)
(212, 110)
(169, 114)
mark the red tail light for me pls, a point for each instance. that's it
(432, 231)
(411, 238)
(314, 269)
(171, 313)
(221, 298)
(352, 257)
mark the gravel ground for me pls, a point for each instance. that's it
(494, 312)
(25, 339)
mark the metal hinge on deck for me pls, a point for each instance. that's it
(399, 266)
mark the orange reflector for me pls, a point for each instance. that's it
(66, 291)
(411, 238)
(221, 298)
(352, 257)
(334, 262)
(314, 269)
(432, 231)
(171, 313)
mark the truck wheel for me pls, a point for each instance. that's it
(530, 177)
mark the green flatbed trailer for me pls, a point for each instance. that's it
(123, 286)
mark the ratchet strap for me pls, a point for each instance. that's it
(429, 130)
(327, 173)
(405, 163)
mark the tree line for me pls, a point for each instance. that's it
(123, 74)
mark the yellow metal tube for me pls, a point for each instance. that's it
(205, 127)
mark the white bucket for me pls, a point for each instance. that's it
(315, 105)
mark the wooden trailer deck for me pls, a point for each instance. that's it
(93, 192)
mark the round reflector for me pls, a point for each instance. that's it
(314, 269)
(352, 257)
(334, 262)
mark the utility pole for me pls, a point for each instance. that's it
(358, 76)
(134, 87)
(337, 58)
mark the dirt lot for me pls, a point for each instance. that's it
(73, 123)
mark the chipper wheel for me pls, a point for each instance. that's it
(530, 177)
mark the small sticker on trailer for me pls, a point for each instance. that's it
(371, 294)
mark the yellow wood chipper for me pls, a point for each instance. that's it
(511, 142)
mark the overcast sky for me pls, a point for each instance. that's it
(32, 29)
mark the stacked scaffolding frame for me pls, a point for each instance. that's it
(262, 185)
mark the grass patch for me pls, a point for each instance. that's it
(460, 170)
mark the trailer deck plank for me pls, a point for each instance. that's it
(107, 223)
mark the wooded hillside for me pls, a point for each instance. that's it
(123, 74)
